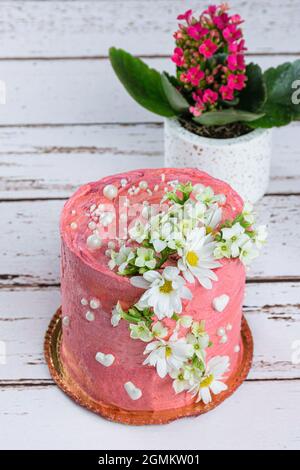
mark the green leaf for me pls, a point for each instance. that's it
(253, 96)
(226, 116)
(142, 83)
(283, 99)
(175, 98)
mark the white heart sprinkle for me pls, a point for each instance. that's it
(220, 303)
(134, 392)
(105, 359)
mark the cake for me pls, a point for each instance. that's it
(152, 282)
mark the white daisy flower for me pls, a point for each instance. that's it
(248, 251)
(145, 258)
(140, 331)
(198, 260)
(169, 355)
(236, 237)
(164, 291)
(116, 314)
(212, 218)
(211, 381)
(139, 232)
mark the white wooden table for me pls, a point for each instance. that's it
(67, 121)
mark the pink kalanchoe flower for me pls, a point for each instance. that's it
(236, 62)
(196, 31)
(194, 75)
(186, 16)
(178, 57)
(237, 47)
(221, 21)
(232, 33)
(237, 82)
(210, 96)
(208, 48)
(227, 93)
(236, 19)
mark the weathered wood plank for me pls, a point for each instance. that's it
(75, 91)
(30, 240)
(36, 162)
(247, 420)
(58, 29)
(272, 309)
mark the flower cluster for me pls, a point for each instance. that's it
(171, 249)
(209, 56)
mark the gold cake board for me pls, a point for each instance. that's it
(139, 417)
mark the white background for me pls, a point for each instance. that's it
(67, 121)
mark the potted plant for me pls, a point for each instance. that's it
(219, 110)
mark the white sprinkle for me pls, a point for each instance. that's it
(110, 191)
(224, 339)
(95, 303)
(163, 177)
(237, 349)
(149, 192)
(220, 303)
(73, 226)
(123, 182)
(229, 327)
(66, 321)
(221, 332)
(93, 207)
(84, 301)
(134, 392)
(143, 184)
(105, 359)
(111, 245)
(92, 225)
(101, 207)
(107, 219)
(73, 212)
(90, 316)
(156, 187)
(108, 253)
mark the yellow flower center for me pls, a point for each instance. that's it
(207, 381)
(166, 288)
(209, 230)
(168, 351)
(192, 258)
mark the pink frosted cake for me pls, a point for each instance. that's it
(152, 282)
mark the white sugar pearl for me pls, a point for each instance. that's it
(229, 327)
(110, 191)
(101, 207)
(73, 212)
(224, 339)
(66, 321)
(73, 226)
(106, 220)
(92, 225)
(221, 332)
(83, 301)
(123, 182)
(111, 245)
(237, 349)
(94, 242)
(95, 303)
(143, 184)
(90, 316)
(149, 192)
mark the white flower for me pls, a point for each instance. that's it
(176, 241)
(195, 210)
(198, 259)
(236, 237)
(212, 218)
(145, 258)
(159, 331)
(169, 355)
(248, 251)
(185, 321)
(211, 380)
(164, 291)
(121, 258)
(116, 314)
(248, 213)
(140, 331)
(261, 235)
(139, 232)
(206, 194)
(222, 250)
(180, 382)
(199, 344)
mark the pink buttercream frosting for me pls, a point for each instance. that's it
(85, 275)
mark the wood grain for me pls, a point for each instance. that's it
(83, 28)
(51, 162)
(245, 421)
(272, 310)
(76, 92)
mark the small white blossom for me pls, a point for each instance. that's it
(116, 314)
(139, 232)
(180, 383)
(121, 258)
(248, 213)
(222, 250)
(140, 331)
(145, 258)
(261, 235)
(248, 252)
(159, 331)
(199, 343)
(236, 237)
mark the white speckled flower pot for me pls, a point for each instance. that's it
(243, 162)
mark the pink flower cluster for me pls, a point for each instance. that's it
(209, 56)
